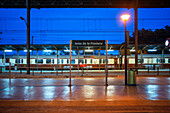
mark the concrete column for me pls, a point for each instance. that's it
(28, 35)
(106, 69)
(136, 36)
(17, 58)
(37, 59)
(70, 65)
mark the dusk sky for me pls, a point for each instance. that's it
(59, 25)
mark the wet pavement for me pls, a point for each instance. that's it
(86, 89)
(86, 95)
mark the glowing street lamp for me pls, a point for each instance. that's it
(125, 17)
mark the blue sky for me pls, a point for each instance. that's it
(59, 25)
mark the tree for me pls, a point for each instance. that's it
(152, 37)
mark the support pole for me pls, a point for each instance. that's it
(70, 65)
(28, 35)
(4, 58)
(10, 70)
(78, 60)
(99, 59)
(141, 57)
(106, 69)
(37, 59)
(125, 56)
(136, 37)
(17, 58)
(57, 61)
(162, 58)
(119, 59)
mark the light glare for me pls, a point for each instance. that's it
(125, 17)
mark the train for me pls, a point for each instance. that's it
(92, 62)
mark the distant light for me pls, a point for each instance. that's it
(110, 50)
(26, 50)
(8, 50)
(152, 50)
(167, 43)
(169, 49)
(46, 50)
(125, 17)
(88, 50)
(67, 50)
(132, 50)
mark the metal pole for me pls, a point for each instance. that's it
(119, 59)
(136, 37)
(10, 70)
(17, 58)
(99, 59)
(125, 56)
(37, 59)
(4, 58)
(162, 58)
(106, 70)
(28, 36)
(78, 60)
(32, 43)
(141, 57)
(57, 61)
(70, 66)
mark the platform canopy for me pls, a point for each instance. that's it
(66, 46)
(85, 3)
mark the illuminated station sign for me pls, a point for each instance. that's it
(167, 42)
(88, 42)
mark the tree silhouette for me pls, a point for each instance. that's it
(152, 37)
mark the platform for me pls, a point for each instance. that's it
(152, 94)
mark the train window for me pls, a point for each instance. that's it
(100, 60)
(139, 60)
(72, 61)
(104, 61)
(68, 61)
(168, 60)
(17, 61)
(61, 61)
(157, 60)
(40, 60)
(52, 61)
(35, 60)
(91, 61)
(81, 61)
(22, 61)
(48, 61)
(161, 60)
(85, 61)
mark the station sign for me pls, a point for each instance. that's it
(88, 42)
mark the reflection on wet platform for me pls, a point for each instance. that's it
(84, 89)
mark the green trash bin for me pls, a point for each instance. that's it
(131, 77)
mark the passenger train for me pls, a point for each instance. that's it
(114, 62)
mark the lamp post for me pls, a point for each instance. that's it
(125, 17)
(28, 39)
